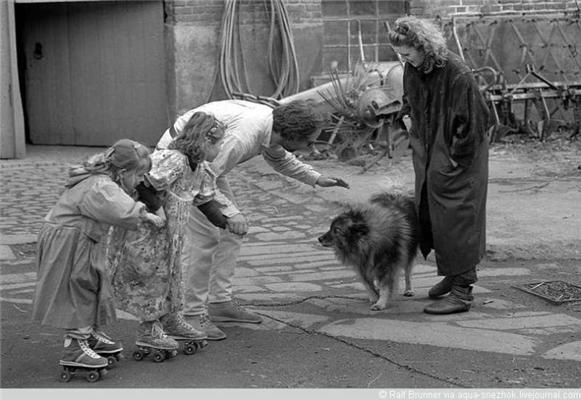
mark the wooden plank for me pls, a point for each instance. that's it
(48, 100)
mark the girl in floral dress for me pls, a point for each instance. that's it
(146, 265)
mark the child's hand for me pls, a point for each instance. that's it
(237, 224)
(155, 220)
(161, 214)
(323, 181)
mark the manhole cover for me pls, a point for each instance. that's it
(556, 292)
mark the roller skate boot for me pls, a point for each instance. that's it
(153, 340)
(79, 357)
(185, 334)
(103, 345)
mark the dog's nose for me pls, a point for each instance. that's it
(320, 238)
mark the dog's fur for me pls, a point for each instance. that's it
(378, 239)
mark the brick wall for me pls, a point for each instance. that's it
(447, 8)
(251, 11)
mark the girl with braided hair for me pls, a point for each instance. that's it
(73, 290)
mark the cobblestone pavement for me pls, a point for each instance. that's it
(281, 266)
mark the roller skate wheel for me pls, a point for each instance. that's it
(111, 360)
(190, 349)
(158, 357)
(172, 353)
(65, 376)
(138, 355)
(93, 376)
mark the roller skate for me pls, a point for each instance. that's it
(189, 338)
(79, 357)
(103, 345)
(153, 340)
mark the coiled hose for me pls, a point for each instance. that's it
(283, 68)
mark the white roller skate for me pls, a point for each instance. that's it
(79, 356)
(103, 345)
(185, 334)
(153, 340)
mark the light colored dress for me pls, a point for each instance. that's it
(73, 290)
(145, 265)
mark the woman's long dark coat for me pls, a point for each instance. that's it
(449, 122)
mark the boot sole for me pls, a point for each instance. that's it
(438, 295)
(200, 338)
(242, 321)
(446, 312)
(108, 351)
(216, 338)
(141, 344)
(81, 365)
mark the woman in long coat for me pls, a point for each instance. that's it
(448, 136)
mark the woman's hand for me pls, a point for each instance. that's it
(324, 181)
(237, 224)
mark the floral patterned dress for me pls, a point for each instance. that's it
(145, 265)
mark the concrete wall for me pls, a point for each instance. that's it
(11, 116)
(193, 29)
(447, 8)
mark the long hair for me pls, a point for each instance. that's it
(297, 120)
(193, 138)
(422, 35)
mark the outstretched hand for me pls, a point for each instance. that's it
(324, 181)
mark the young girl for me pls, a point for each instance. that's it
(146, 266)
(73, 291)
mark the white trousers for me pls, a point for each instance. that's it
(208, 258)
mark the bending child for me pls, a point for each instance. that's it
(73, 291)
(146, 266)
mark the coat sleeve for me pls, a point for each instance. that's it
(287, 164)
(107, 203)
(468, 120)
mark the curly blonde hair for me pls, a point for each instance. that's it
(422, 35)
(192, 141)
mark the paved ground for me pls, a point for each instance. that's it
(318, 331)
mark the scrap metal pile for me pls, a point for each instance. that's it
(363, 106)
(528, 66)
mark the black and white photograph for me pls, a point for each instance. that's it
(370, 199)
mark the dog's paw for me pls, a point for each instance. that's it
(408, 293)
(377, 307)
(373, 299)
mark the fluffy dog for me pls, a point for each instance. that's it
(378, 240)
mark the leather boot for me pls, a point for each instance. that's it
(459, 300)
(441, 288)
